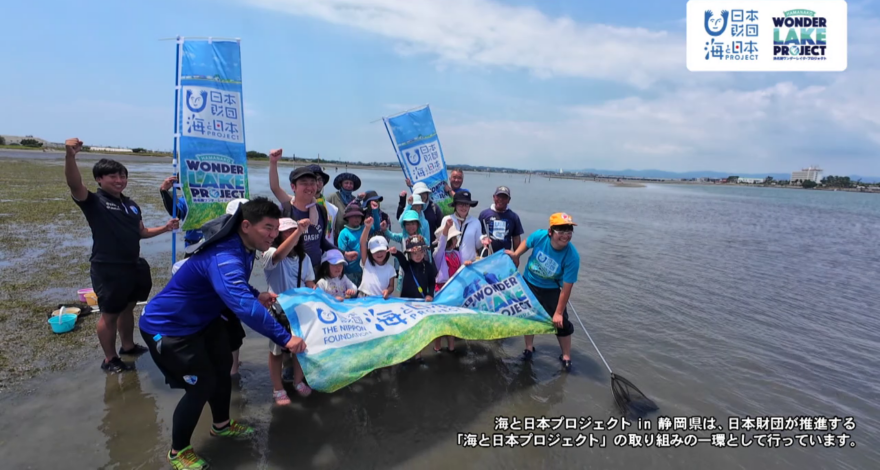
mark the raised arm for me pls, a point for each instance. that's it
(71, 172)
(302, 226)
(274, 185)
(365, 238)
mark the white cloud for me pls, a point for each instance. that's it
(486, 33)
(692, 122)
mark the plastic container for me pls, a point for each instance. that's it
(70, 310)
(92, 299)
(82, 294)
(62, 323)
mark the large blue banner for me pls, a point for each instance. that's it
(415, 142)
(213, 157)
(346, 340)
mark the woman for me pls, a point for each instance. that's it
(472, 238)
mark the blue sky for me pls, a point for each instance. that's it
(525, 83)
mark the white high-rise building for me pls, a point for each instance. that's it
(813, 173)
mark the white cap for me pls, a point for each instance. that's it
(233, 205)
(420, 188)
(286, 224)
(333, 257)
(378, 243)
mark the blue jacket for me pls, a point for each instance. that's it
(210, 280)
(191, 237)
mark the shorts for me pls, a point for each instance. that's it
(183, 359)
(234, 330)
(118, 285)
(549, 299)
(277, 350)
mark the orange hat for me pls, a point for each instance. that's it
(561, 218)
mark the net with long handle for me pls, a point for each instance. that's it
(631, 401)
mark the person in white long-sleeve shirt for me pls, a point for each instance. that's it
(472, 239)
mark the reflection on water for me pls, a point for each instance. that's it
(715, 301)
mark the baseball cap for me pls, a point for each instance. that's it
(420, 188)
(502, 190)
(232, 206)
(377, 243)
(333, 257)
(285, 224)
(561, 218)
(414, 242)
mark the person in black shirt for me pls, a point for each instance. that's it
(419, 274)
(120, 277)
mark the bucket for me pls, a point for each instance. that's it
(70, 310)
(91, 299)
(62, 323)
(82, 294)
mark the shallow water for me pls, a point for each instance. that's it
(715, 301)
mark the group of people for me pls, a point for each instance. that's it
(341, 243)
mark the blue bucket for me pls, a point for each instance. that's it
(63, 323)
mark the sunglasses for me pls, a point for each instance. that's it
(564, 231)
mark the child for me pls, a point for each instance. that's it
(419, 274)
(331, 279)
(448, 261)
(283, 273)
(379, 274)
(372, 207)
(350, 241)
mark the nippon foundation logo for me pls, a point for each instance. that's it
(766, 36)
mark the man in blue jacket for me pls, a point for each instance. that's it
(186, 335)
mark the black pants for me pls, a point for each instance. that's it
(199, 364)
(549, 299)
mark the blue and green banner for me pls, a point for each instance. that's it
(346, 340)
(210, 128)
(418, 150)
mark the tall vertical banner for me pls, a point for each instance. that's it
(418, 150)
(210, 128)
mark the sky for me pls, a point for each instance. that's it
(531, 84)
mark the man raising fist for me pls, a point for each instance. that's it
(120, 277)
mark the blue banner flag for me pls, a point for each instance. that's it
(347, 339)
(210, 128)
(418, 150)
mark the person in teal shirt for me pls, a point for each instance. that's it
(550, 274)
(350, 242)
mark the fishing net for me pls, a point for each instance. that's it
(630, 400)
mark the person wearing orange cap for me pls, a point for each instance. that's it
(550, 273)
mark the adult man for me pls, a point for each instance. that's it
(120, 277)
(186, 335)
(551, 272)
(432, 212)
(500, 223)
(303, 205)
(190, 237)
(346, 184)
(456, 179)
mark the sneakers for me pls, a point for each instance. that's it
(233, 430)
(528, 353)
(137, 350)
(115, 366)
(187, 460)
(566, 364)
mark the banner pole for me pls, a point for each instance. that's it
(175, 155)
(403, 166)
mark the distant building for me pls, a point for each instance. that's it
(813, 173)
(750, 180)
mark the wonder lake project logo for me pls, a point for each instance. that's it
(766, 36)
(799, 35)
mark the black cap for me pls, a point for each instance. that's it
(502, 190)
(372, 196)
(302, 172)
(318, 171)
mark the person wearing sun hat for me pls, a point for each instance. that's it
(432, 212)
(350, 241)
(372, 208)
(551, 272)
(472, 239)
(346, 184)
